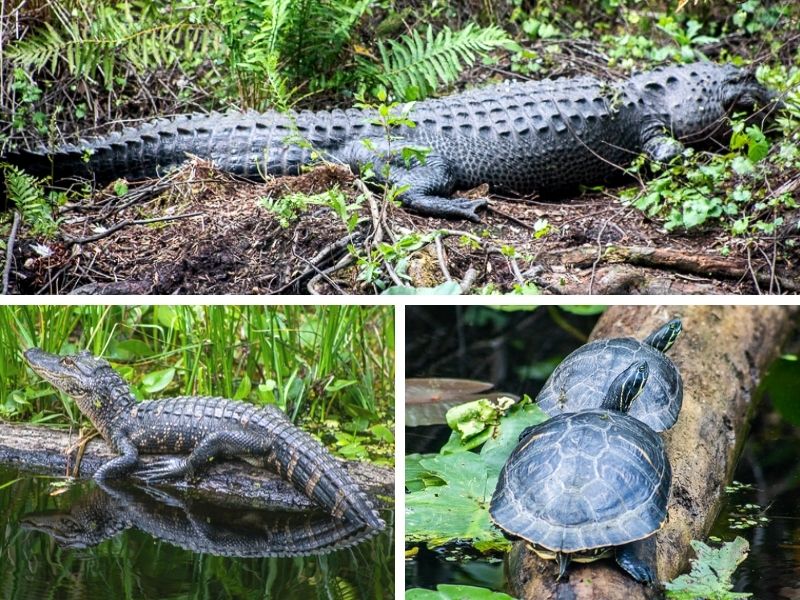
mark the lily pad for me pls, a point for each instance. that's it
(455, 592)
(450, 493)
(458, 509)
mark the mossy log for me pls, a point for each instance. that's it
(55, 452)
(722, 354)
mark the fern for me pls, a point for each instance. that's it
(107, 37)
(27, 194)
(291, 45)
(415, 66)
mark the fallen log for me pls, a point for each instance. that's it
(722, 354)
(674, 261)
(52, 451)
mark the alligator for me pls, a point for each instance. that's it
(196, 525)
(547, 136)
(202, 427)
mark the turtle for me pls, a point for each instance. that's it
(588, 485)
(580, 380)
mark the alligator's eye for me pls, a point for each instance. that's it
(67, 361)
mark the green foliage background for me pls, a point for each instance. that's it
(327, 367)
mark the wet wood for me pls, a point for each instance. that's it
(43, 450)
(722, 354)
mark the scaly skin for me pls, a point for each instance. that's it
(544, 136)
(202, 427)
(218, 530)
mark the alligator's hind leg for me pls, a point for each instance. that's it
(220, 443)
(427, 185)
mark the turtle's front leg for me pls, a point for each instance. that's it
(637, 559)
(121, 465)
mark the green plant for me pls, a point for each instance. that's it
(28, 196)
(455, 592)
(461, 480)
(316, 363)
(106, 40)
(288, 208)
(711, 573)
(415, 65)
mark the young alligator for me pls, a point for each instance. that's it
(198, 526)
(203, 427)
(545, 136)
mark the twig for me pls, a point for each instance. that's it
(513, 219)
(128, 223)
(10, 252)
(468, 280)
(442, 258)
(599, 254)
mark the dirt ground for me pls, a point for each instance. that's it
(200, 231)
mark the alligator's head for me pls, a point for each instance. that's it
(695, 100)
(95, 386)
(91, 520)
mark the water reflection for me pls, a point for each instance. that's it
(89, 543)
(193, 524)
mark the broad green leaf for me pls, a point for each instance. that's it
(496, 450)
(458, 509)
(471, 418)
(417, 477)
(131, 347)
(455, 592)
(158, 380)
(243, 391)
(339, 384)
(449, 288)
(780, 385)
(583, 309)
(711, 572)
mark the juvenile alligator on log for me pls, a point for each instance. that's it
(202, 427)
(544, 136)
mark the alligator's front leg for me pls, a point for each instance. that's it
(123, 464)
(658, 145)
(427, 185)
(220, 443)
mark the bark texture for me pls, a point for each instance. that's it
(52, 451)
(722, 355)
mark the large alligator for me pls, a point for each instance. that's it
(543, 136)
(202, 427)
(193, 524)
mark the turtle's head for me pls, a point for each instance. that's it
(693, 101)
(626, 387)
(88, 379)
(663, 337)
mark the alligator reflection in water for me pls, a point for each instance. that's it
(195, 524)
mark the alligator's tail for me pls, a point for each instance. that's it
(249, 144)
(313, 470)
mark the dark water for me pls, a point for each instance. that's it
(492, 346)
(129, 549)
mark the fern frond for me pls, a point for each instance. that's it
(111, 37)
(27, 194)
(415, 65)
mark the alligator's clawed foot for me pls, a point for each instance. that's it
(468, 209)
(166, 468)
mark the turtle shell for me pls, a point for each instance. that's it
(581, 380)
(584, 480)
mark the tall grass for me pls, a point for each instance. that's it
(317, 363)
